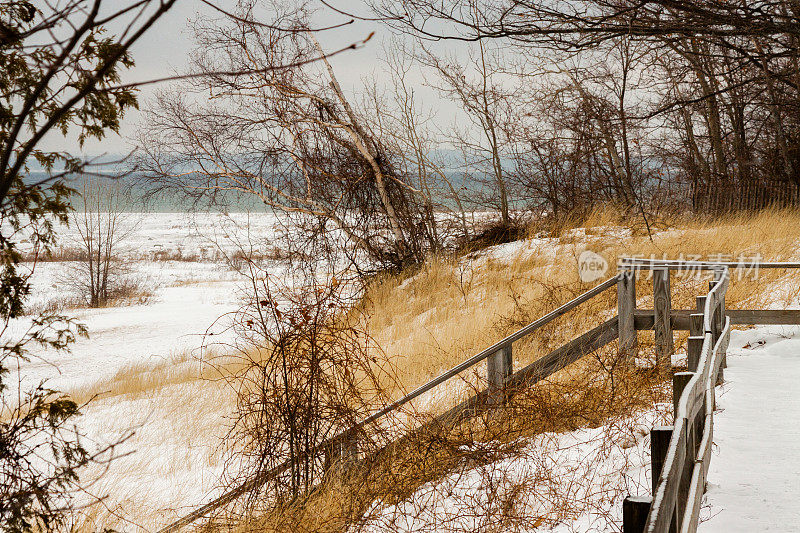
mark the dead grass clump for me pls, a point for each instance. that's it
(55, 305)
(130, 291)
(177, 255)
(145, 378)
(126, 291)
(491, 233)
(56, 255)
(602, 216)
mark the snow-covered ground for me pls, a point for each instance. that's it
(183, 236)
(754, 478)
(753, 481)
(186, 300)
(559, 482)
(141, 362)
(140, 365)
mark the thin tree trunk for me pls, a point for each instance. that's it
(360, 141)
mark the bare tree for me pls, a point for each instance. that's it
(307, 371)
(728, 70)
(290, 136)
(486, 97)
(103, 223)
(408, 128)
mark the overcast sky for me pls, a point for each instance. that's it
(163, 51)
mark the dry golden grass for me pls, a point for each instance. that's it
(173, 415)
(454, 307)
(146, 378)
(587, 398)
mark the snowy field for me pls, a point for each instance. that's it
(179, 259)
(141, 364)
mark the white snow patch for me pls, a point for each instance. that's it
(562, 482)
(754, 477)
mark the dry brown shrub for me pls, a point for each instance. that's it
(402, 485)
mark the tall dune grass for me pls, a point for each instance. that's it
(455, 306)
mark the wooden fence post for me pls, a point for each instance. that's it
(717, 323)
(626, 305)
(679, 382)
(659, 444)
(721, 373)
(694, 347)
(701, 306)
(634, 513)
(696, 324)
(720, 316)
(499, 367)
(720, 325)
(662, 307)
(695, 343)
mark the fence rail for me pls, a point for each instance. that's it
(683, 460)
(680, 453)
(680, 318)
(500, 375)
(497, 353)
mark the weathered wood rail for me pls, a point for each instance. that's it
(499, 377)
(675, 448)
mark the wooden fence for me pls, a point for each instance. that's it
(680, 453)
(752, 195)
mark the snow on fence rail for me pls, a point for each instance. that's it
(680, 454)
(678, 488)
